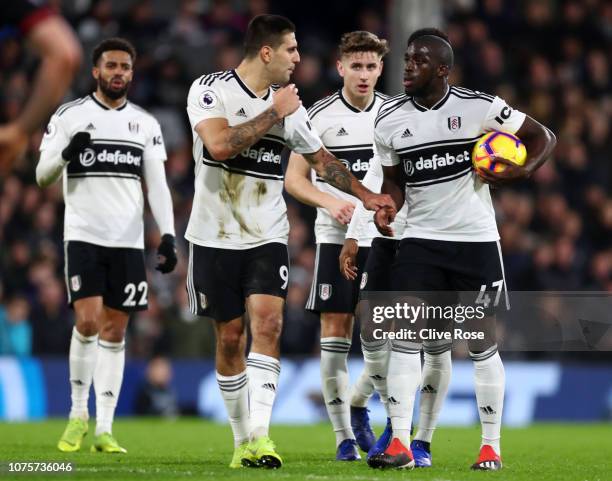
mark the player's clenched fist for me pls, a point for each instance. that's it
(377, 201)
(383, 218)
(286, 100)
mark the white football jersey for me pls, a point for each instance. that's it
(103, 190)
(446, 199)
(348, 133)
(239, 203)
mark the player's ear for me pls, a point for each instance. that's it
(265, 53)
(443, 71)
(95, 71)
(340, 68)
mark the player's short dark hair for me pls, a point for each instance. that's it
(446, 55)
(114, 43)
(362, 41)
(265, 30)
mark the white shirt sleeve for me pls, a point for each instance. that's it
(51, 165)
(373, 181)
(158, 194)
(503, 117)
(154, 148)
(385, 152)
(204, 102)
(300, 135)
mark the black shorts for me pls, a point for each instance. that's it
(433, 265)
(220, 280)
(330, 291)
(376, 275)
(115, 273)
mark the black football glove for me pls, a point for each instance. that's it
(166, 254)
(78, 144)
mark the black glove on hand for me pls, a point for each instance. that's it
(166, 254)
(78, 144)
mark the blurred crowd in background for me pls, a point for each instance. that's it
(550, 59)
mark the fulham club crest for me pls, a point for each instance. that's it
(454, 123)
(325, 291)
(75, 283)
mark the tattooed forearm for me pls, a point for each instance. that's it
(336, 174)
(244, 135)
(333, 171)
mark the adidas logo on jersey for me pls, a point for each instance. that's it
(90, 127)
(241, 113)
(393, 401)
(262, 155)
(269, 386)
(336, 402)
(357, 166)
(341, 132)
(406, 133)
(377, 377)
(108, 394)
(435, 162)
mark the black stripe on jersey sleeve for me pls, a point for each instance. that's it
(69, 105)
(470, 97)
(104, 175)
(396, 105)
(322, 105)
(467, 91)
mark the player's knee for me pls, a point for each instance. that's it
(112, 332)
(336, 325)
(267, 326)
(231, 342)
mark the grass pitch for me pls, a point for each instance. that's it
(196, 449)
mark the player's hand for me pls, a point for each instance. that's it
(13, 146)
(77, 145)
(286, 100)
(383, 218)
(166, 254)
(341, 210)
(512, 173)
(378, 201)
(348, 254)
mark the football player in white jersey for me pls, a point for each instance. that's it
(238, 229)
(345, 121)
(424, 139)
(104, 147)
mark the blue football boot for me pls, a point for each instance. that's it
(421, 451)
(360, 422)
(347, 451)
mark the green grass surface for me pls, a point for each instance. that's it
(195, 449)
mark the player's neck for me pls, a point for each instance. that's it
(253, 75)
(432, 97)
(108, 102)
(360, 103)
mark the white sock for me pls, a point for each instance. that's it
(82, 361)
(376, 360)
(263, 374)
(235, 393)
(404, 380)
(107, 379)
(489, 381)
(335, 385)
(362, 390)
(437, 370)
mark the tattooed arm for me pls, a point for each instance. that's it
(335, 173)
(224, 142)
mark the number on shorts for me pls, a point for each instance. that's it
(130, 290)
(284, 273)
(484, 299)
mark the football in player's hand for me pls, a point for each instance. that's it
(500, 144)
